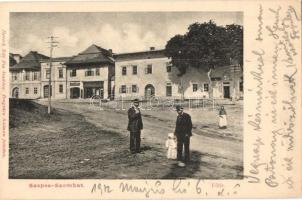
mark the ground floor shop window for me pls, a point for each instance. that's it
(75, 93)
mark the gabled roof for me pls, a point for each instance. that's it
(12, 61)
(140, 55)
(30, 61)
(92, 55)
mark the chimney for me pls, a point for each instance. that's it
(152, 48)
(17, 57)
(110, 52)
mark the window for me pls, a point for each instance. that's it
(27, 90)
(97, 71)
(35, 76)
(89, 72)
(206, 87)
(61, 88)
(195, 87)
(27, 76)
(134, 69)
(168, 66)
(123, 89)
(124, 70)
(241, 86)
(47, 75)
(35, 90)
(60, 73)
(134, 89)
(73, 73)
(14, 76)
(168, 90)
(149, 69)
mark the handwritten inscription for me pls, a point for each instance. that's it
(274, 57)
(151, 189)
(258, 76)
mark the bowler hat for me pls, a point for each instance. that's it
(178, 107)
(136, 100)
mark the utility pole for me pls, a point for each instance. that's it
(52, 45)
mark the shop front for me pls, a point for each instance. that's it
(93, 88)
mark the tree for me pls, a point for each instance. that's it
(206, 46)
(235, 43)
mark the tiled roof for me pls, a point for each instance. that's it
(140, 55)
(12, 61)
(58, 59)
(30, 61)
(92, 55)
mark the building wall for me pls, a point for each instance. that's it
(195, 76)
(159, 77)
(183, 85)
(21, 83)
(56, 80)
(80, 78)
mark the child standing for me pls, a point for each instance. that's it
(171, 145)
(222, 118)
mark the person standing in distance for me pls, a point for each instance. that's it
(183, 132)
(135, 125)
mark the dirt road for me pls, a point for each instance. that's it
(216, 154)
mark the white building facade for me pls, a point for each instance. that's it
(98, 72)
(25, 77)
(90, 73)
(58, 74)
(150, 74)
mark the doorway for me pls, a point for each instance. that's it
(75, 93)
(226, 91)
(15, 93)
(149, 91)
(46, 91)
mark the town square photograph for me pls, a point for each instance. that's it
(126, 95)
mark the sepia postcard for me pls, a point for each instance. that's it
(150, 99)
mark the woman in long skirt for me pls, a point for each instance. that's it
(222, 118)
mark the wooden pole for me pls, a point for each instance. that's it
(49, 82)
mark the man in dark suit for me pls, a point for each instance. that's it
(183, 132)
(135, 125)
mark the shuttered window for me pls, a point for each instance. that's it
(124, 70)
(134, 89)
(73, 73)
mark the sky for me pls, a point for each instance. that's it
(119, 31)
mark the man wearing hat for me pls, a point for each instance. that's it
(135, 125)
(183, 132)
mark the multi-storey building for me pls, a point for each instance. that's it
(25, 77)
(150, 74)
(90, 73)
(58, 74)
(143, 75)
